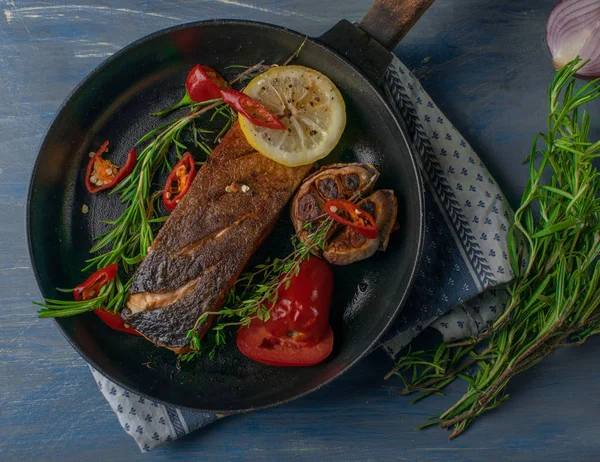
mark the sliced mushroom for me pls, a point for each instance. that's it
(336, 181)
(349, 246)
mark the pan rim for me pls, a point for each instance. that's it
(215, 23)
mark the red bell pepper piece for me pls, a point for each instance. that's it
(179, 181)
(102, 174)
(348, 214)
(258, 344)
(204, 83)
(297, 332)
(252, 110)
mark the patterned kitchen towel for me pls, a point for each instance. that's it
(459, 284)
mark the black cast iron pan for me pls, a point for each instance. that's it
(114, 102)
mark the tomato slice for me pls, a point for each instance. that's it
(258, 344)
(203, 83)
(114, 321)
(251, 109)
(349, 214)
(179, 181)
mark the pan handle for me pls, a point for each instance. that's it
(368, 45)
(388, 21)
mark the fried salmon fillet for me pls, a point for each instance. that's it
(229, 210)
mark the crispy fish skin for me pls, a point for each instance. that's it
(229, 210)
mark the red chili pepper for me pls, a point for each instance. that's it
(102, 174)
(90, 288)
(179, 181)
(252, 110)
(114, 321)
(348, 214)
(204, 83)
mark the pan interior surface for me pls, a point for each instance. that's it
(115, 103)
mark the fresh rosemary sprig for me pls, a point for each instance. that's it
(110, 295)
(255, 292)
(555, 298)
(133, 231)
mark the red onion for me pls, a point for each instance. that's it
(573, 30)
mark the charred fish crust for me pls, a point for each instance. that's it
(194, 247)
(209, 229)
(244, 181)
(165, 327)
(162, 273)
(237, 146)
(146, 301)
(168, 325)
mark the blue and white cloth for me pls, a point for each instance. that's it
(460, 284)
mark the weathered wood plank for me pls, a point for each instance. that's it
(485, 64)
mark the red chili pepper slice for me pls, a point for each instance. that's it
(102, 174)
(252, 110)
(204, 83)
(114, 321)
(348, 214)
(90, 288)
(179, 181)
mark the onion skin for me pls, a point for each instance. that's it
(573, 29)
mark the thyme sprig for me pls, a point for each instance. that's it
(555, 297)
(250, 298)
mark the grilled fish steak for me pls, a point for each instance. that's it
(229, 210)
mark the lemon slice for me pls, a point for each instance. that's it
(309, 105)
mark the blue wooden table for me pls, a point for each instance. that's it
(485, 64)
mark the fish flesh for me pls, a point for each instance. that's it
(230, 208)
